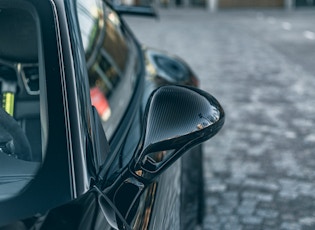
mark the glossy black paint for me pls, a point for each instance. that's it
(74, 195)
(177, 118)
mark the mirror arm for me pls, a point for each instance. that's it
(118, 200)
(146, 169)
(110, 211)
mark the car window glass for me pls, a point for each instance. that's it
(111, 61)
(20, 124)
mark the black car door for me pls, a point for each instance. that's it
(117, 77)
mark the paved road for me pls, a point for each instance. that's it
(260, 169)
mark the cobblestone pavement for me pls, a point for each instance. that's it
(260, 168)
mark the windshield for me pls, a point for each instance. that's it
(20, 127)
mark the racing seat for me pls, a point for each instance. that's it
(20, 127)
(13, 140)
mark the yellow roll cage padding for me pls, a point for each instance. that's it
(8, 102)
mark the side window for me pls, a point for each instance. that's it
(111, 61)
(21, 148)
(34, 132)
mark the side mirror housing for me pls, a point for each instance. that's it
(176, 119)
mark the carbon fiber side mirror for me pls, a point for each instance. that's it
(176, 119)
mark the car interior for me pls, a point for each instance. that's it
(19, 79)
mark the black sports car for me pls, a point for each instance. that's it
(93, 125)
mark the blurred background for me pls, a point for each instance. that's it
(224, 4)
(257, 57)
